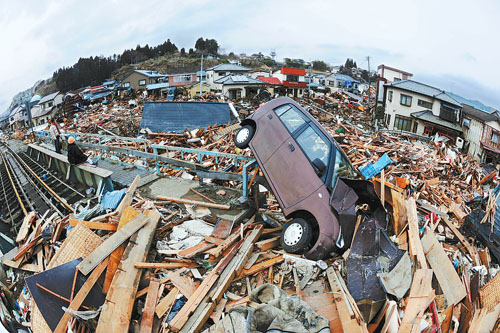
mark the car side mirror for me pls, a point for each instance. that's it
(319, 167)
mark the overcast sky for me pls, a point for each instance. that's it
(449, 44)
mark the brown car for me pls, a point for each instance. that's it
(303, 164)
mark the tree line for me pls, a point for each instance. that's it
(94, 70)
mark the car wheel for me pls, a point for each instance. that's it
(297, 236)
(243, 136)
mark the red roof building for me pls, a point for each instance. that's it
(293, 71)
(271, 80)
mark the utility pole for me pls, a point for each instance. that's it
(201, 76)
(369, 81)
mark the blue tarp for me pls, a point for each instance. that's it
(111, 200)
(374, 169)
(175, 117)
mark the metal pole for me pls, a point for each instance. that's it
(28, 110)
(201, 76)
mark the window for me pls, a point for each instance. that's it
(222, 73)
(142, 82)
(425, 104)
(494, 137)
(467, 122)
(342, 167)
(291, 117)
(389, 96)
(313, 145)
(50, 104)
(182, 78)
(405, 100)
(300, 91)
(449, 112)
(294, 78)
(126, 84)
(402, 123)
(397, 79)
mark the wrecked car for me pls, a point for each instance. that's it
(303, 164)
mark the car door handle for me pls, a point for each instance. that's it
(292, 148)
(270, 116)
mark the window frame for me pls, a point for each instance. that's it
(390, 94)
(406, 97)
(142, 82)
(496, 135)
(425, 104)
(398, 119)
(126, 84)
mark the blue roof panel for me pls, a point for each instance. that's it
(175, 117)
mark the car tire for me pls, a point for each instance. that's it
(296, 236)
(243, 136)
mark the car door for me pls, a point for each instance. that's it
(270, 134)
(293, 176)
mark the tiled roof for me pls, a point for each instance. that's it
(424, 89)
(238, 79)
(270, 80)
(293, 71)
(428, 116)
(48, 97)
(230, 67)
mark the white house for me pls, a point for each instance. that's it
(52, 100)
(475, 124)
(388, 74)
(293, 79)
(239, 86)
(419, 108)
(218, 72)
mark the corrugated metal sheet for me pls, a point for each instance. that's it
(175, 117)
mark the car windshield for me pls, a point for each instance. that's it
(314, 146)
(341, 168)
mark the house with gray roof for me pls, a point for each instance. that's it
(140, 78)
(422, 109)
(338, 82)
(239, 86)
(218, 72)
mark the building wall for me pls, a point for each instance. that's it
(179, 80)
(395, 108)
(473, 136)
(134, 79)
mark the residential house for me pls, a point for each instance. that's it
(193, 89)
(422, 109)
(475, 126)
(40, 116)
(180, 80)
(18, 118)
(139, 79)
(293, 79)
(201, 75)
(273, 85)
(222, 70)
(51, 101)
(239, 86)
(158, 89)
(388, 74)
(338, 82)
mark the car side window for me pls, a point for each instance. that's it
(291, 117)
(342, 168)
(313, 145)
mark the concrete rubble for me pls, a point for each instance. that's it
(182, 264)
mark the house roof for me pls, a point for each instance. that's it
(479, 114)
(429, 117)
(37, 111)
(150, 74)
(178, 116)
(229, 67)
(238, 79)
(293, 71)
(424, 89)
(48, 97)
(270, 80)
(343, 77)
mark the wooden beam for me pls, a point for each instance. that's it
(163, 265)
(94, 225)
(421, 295)
(110, 244)
(448, 279)
(150, 306)
(80, 296)
(414, 239)
(117, 309)
(129, 196)
(193, 202)
(267, 244)
(166, 302)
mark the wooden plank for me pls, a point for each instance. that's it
(80, 296)
(94, 225)
(150, 306)
(194, 202)
(414, 239)
(25, 227)
(214, 240)
(346, 314)
(166, 302)
(184, 284)
(267, 244)
(260, 267)
(398, 211)
(114, 259)
(163, 265)
(219, 308)
(110, 244)
(117, 309)
(324, 305)
(196, 249)
(129, 196)
(419, 299)
(472, 251)
(448, 279)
